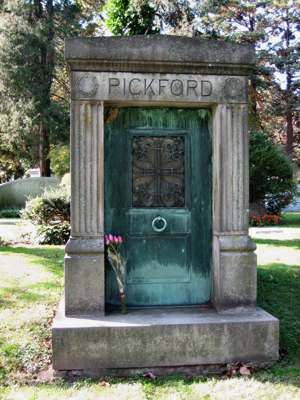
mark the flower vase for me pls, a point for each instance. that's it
(123, 303)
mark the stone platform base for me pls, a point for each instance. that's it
(160, 338)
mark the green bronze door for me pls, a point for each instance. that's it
(158, 196)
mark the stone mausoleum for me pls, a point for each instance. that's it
(159, 155)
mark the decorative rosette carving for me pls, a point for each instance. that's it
(87, 86)
(233, 89)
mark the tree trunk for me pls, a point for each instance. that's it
(254, 120)
(47, 63)
(289, 133)
(289, 95)
(44, 147)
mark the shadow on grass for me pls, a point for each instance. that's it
(278, 293)
(49, 257)
(12, 296)
(275, 242)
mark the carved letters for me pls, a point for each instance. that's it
(158, 87)
(127, 86)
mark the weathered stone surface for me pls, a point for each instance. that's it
(230, 169)
(84, 261)
(87, 164)
(170, 337)
(234, 274)
(84, 283)
(234, 261)
(158, 52)
(153, 87)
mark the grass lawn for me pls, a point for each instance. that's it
(31, 285)
(291, 220)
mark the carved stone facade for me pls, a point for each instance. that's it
(116, 72)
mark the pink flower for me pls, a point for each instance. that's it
(116, 240)
(120, 239)
(110, 237)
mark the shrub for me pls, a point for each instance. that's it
(53, 234)
(264, 220)
(50, 216)
(52, 207)
(271, 174)
(10, 213)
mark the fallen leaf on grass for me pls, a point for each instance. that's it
(149, 375)
(235, 368)
(245, 371)
(105, 384)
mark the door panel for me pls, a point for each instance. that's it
(158, 196)
(150, 263)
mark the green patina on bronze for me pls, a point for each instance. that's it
(171, 267)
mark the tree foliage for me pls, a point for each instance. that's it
(31, 46)
(284, 49)
(60, 160)
(131, 17)
(271, 171)
(127, 17)
(273, 26)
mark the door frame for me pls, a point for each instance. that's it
(188, 133)
(233, 260)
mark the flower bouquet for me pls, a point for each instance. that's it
(118, 264)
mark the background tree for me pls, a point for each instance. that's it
(271, 173)
(273, 27)
(241, 21)
(127, 17)
(133, 17)
(30, 39)
(284, 46)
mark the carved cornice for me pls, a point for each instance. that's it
(159, 53)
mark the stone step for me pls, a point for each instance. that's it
(166, 337)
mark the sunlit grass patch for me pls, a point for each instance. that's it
(31, 284)
(290, 219)
(295, 243)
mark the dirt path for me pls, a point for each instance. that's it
(275, 233)
(267, 254)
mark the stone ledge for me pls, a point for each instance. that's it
(159, 53)
(159, 48)
(163, 338)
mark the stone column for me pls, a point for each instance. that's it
(84, 260)
(234, 270)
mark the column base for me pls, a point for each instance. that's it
(84, 276)
(235, 278)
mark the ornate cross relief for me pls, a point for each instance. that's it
(158, 171)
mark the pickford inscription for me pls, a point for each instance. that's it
(122, 86)
(158, 87)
